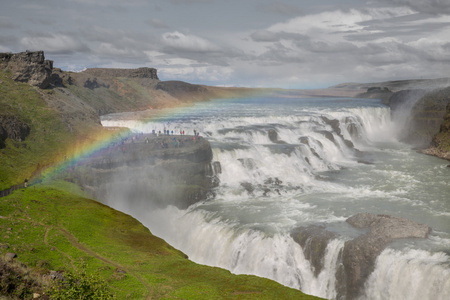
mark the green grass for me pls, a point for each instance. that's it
(52, 227)
(48, 134)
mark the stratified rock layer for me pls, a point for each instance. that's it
(149, 73)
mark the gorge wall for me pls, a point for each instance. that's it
(163, 170)
(421, 113)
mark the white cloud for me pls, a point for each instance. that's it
(210, 74)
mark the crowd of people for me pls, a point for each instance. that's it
(178, 141)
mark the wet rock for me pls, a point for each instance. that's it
(328, 135)
(217, 167)
(273, 136)
(248, 163)
(248, 187)
(359, 255)
(313, 240)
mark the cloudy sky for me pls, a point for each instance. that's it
(255, 43)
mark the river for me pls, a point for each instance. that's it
(287, 162)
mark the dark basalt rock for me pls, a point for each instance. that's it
(359, 255)
(314, 240)
(273, 136)
(357, 259)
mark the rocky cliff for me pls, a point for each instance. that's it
(30, 67)
(149, 73)
(148, 169)
(421, 112)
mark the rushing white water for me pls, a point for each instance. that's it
(289, 162)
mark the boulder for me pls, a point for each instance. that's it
(314, 240)
(359, 255)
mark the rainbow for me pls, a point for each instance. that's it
(98, 142)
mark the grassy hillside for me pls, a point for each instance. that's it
(53, 227)
(48, 133)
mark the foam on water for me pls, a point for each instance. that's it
(333, 158)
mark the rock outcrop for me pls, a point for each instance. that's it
(13, 128)
(147, 169)
(149, 73)
(359, 254)
(273, 137)
(314, 240)
(30, 67)
(440, 145)
(420, 114)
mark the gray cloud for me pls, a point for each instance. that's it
(424, 6)
(279, 7)
(246, 43)
(271, 36)
(6, 22)
(157, 23)
(189, 1)
(53, 43)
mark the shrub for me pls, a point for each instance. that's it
(80, 286)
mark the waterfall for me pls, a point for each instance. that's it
(282, 165)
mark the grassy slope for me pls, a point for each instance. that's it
(18, 160)
(54, 227)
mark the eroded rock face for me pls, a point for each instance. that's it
(359, 254)
(31, 67)
(13, 128)
(150, 170)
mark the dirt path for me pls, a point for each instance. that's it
(85, 249)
